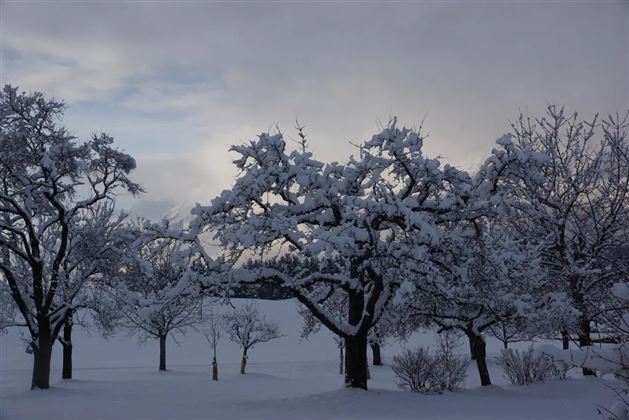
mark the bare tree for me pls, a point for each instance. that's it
(213, 331)
(246, 326)
(510, 330)
(155, 292)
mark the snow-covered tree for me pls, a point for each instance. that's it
(49, 181)
(157, 289)
(377, 213)
(93, 245)
(576, 206)
(246, 326)
(481, 279)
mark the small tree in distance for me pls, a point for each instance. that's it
(247, 326)
(155, 292)
(213, 331)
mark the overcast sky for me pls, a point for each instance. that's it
(177, 82)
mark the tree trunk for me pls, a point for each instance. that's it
(162, 352)
(585, 340)
(565, 339)
(340, 360)
(356, 346)
(472, 356)
(214, 369)
(375, 350)
(42, 352)
(66, 372)
(479, 353)
(243, 362)
(356, 362)
(505, 343)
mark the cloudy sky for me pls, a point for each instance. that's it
(177, 82)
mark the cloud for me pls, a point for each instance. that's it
(186, 177)
(177, 83)
(78, 73)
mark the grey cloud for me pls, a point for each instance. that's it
(220, 72)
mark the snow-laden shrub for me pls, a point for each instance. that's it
(414, 370)
(528, 367)
(450, 371)
(420, 371)
(450, 367)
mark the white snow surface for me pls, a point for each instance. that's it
(287, 379)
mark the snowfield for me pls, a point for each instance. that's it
(307, 387)
(293, 390)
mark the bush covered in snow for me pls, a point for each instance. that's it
(529, 367)
(414, 370)
(420, 371)
(450, 367)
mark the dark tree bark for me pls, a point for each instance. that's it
(479, 353)
(584, 333)
(162, 352)
(585, 340)
(243, 362)
(42, 352)
(356, 361)
(356, 364)
(472, 356)
(565, 340)
(214, 369)
(66, 372)
(375, 350)
(340, 360)
(505, 336)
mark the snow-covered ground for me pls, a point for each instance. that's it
(293, 390)
(287, 379)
